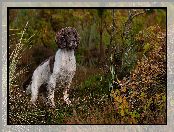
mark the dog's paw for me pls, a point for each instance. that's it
(50, 105)
(68, 102)
(53, 106)
(32, 103)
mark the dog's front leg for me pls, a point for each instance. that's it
(66, 95)
(51, 88)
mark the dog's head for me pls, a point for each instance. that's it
(67, 38)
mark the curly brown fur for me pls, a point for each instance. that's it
(67, 38)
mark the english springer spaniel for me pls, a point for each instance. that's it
(57, 71)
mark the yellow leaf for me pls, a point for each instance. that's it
(125, 104)
(142, 94)
(122, 112)
(124, 89)
(119, 99)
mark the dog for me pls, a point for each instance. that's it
(57, 71)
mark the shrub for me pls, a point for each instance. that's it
(142, 97)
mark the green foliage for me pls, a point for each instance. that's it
(144, 92)
(138, 24)
(161, 17)
(89, 37)
(100, 12)
(96, 85)
(129, 88)
(106, 39)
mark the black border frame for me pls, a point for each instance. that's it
(8, 8)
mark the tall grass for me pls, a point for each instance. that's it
(92, 101)
(15, 57)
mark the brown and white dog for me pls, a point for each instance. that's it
(58, 70)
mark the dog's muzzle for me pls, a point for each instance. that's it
(72, 44)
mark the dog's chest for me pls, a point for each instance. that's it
(64, 65)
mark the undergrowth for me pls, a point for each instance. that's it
(100, 97)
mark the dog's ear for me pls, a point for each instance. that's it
(56, 39)
(60, 39)
(77, 37)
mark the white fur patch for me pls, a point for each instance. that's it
(63, 72)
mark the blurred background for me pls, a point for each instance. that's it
(121, 65)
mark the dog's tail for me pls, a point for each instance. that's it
(27, 85)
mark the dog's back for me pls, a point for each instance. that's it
(62, 67)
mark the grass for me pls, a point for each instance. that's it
(91, 104)
(84, 96)
(140, 101)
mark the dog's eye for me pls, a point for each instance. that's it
(75, 33)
